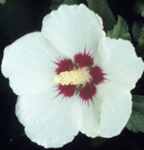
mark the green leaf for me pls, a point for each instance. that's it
(139, 6)
(141, 38)
(55, 4)
(138, 37)
(71, 2)
(102, 8)
(136, 121)
(120, 30)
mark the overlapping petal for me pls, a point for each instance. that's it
(48, 122)
(115, 110)
(73, 29)
(90, 117)
(29, 63)
(120, 62)
(122, 68)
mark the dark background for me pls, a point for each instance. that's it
(18, 17)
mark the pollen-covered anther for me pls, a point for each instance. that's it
(78, 76)
(73, 77)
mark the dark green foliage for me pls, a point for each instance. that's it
(136, 122)
(120, 30)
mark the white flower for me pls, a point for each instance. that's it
(71, 78)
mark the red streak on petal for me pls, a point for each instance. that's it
(97, 74)
(64, 65)
(83, 59)
(67, 90)
(87, 92)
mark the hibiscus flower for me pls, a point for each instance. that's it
(71, 78)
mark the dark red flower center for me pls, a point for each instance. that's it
(66, 69)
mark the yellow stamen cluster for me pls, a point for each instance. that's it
(73, 77)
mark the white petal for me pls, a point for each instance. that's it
(29, 64)
(73, 28)
(90, 117)
(48, 122)
(115, 109)
(123, 68)
(120, 62)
